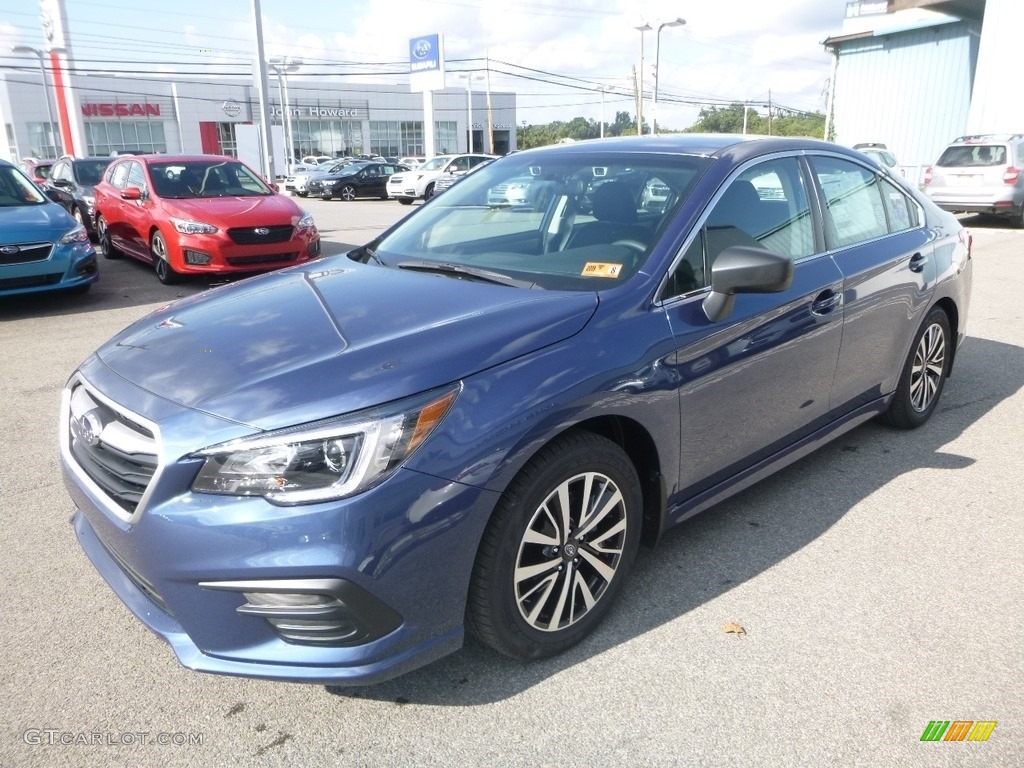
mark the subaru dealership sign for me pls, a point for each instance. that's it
(426, 63)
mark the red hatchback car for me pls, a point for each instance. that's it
(199, 214)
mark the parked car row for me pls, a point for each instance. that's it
(184, 215)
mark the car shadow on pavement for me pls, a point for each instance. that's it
(739, 539)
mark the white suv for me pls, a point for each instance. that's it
(419, 183)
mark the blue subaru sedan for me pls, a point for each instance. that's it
(333, 472)
(41, 247)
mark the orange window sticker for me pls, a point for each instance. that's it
(601, 269)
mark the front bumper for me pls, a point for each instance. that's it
(227, 256)
(173, 562)
(68, 266)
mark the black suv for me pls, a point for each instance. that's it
(71, 182)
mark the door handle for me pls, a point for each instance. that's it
(917, 262)
(825, 302)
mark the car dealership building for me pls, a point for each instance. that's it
(193, 114)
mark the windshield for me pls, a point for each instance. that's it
(435, 163)
(17, 190)
(551, 219)
(182, 180)
(89, 172)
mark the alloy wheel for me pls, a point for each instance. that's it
(570, 551)
(928, 367)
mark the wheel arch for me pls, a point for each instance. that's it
(947, 305)
(640, 448)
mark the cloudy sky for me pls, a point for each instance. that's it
(560, 53)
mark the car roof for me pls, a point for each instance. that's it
(161, 158)
(704, 144)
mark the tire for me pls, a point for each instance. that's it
(164, 271)
(540, 586)
(76, 214)
(109, 251)
(428, 192)
(924, 373)
(301, 194)
(326, 197)
(347, 193)
(405, 200)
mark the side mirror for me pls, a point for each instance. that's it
(742, 269)
(131, 193)
(62, 183)
(275, 187)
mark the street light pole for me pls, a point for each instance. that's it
(468, 77)
(604, 88)
(678, 22)
(41, 55)
(645, 27)
(282, 65)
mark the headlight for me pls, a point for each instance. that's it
(306, 222)
(188, 227)
(90, 201)
(76, 235)
(324, 460)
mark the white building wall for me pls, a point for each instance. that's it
(996, 104)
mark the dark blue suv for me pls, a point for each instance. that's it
(329, 473)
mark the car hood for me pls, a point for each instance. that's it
(267, 210)
(33, 223)
(333, 337)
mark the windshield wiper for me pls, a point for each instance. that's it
(484, 275)
(364, 253)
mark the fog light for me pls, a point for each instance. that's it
(314, 611)
(196, 257)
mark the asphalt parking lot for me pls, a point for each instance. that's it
(877, 581)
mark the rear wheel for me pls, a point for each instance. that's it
(109, 251)
(558, 548)
(924, 373)
(164, 271)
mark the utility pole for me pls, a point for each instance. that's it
(637, 99)
(490, 111)
(769, 111)
(262, 87)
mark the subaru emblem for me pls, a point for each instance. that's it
(10, 250)
(88, 428)
(262, 231)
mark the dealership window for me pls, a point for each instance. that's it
(412, 138)
(446, 137)
(386, 138)
(227, 138)
(42, 142)
(336, 138)
(12, 142)
(106, 136)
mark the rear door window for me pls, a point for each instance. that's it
(854, 201)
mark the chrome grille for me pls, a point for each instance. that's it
(117, 454)
(21, 253)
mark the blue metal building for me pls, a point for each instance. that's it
(916, 74)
